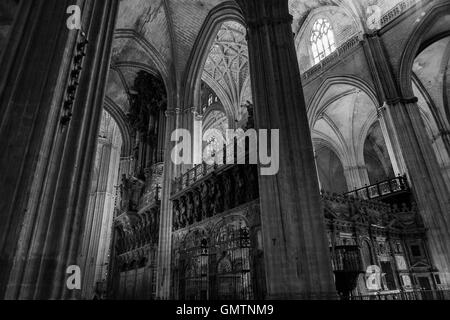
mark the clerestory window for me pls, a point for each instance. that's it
(322, 40)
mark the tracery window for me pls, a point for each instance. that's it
(322, 40)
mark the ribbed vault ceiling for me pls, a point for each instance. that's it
(227, 69)
(159, 35)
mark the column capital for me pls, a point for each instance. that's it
(380, 110)
(172, 113)
(408, 100)
(192, 110)
(265, 21)
(402, 100)
(369, 35)
(442, 134)
(197, 116)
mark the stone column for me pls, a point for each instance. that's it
(126, 166)
(47, 158)
(100, 214)
(356, 176)
(430, 190)
(398, 164)
(187, 118)
(164, 255)
(197, 137)
(414, 153)
(161, 137)
(441, 146)
(317, 172)
(296, 252)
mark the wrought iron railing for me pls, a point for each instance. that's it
(381, 189)
(407, 295)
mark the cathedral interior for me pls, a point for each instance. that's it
(358, 89)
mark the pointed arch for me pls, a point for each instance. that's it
(164, 71)
(119, 116)
(314, 106)
(190, 87)
(418, 41)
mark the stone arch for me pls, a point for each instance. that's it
(156, 58)
(418, 41)
(227, 220)
(191, 84)
(322, 142)
(137, 65)
(194, 235)
(214, 108)
(371, 121)
(344, 110)
(340, 184)
(435, 126)
(119, 116)
(222, 96)
(376, 155)
(429, 112)
(314, 106)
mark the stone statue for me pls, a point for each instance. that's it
(212, 200)
(183, 213)
(240, 185)
(176, 215)
(252, 185)
(197, 206)
(218, 198)
(126, 194)
(227, 183)
(189, 209)
(205, 200)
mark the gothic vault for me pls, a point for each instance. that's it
(90, 117)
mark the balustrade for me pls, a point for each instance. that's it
(407, 295)
(381, 189)
(206, 191)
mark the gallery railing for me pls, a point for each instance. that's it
(407, 295)
(202, 171)
(191, 176)
(381, 189)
